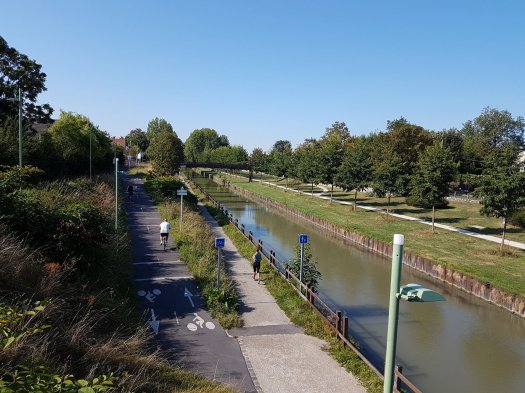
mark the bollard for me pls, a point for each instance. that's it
(242, 228)
(272, 261)
(286, 274)
(338, 317)
(250, 236)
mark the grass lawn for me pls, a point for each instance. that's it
(479, 258)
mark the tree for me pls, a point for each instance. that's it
(259, 160)
(200, 142)
(19, 71)
(435, 171)
(387, 174)
(166, 153)
(280, 158)
(156, 127)
(407, 141)
(355, 172)
(70, 136)
(311, 274)
(235, 155)
(331, 151)
(489, 131)
(502, 185)
(307, 162)
(138, 139)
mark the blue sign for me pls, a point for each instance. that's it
(219, 242)
(303, 239)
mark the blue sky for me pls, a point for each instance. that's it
(260, 71)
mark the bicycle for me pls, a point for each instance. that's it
(164, 242)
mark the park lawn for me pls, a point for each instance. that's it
(479, 258)
(464, 215)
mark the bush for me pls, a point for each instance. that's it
(416, 202)
(518, 218)
(165, 187)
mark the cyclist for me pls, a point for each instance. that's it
(130, 192)
(164, 230)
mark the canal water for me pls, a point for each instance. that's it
(461, 345)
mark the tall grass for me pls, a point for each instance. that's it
(95, 332)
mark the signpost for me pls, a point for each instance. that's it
(182, 191)
(219, 243)
(303, 239)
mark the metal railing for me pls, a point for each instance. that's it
(338, 323)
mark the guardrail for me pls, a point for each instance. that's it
(337, 322)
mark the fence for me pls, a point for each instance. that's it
(338, 323)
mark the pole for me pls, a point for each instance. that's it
(218, 268)
(20, 103)
(180, 226)
(301, 272)
(90, 132)
(116, 193)
(393, 313)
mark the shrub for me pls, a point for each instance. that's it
(518, 218)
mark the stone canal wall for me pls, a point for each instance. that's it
(513, 303)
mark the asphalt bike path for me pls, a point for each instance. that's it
(280, 356)
(169, 296)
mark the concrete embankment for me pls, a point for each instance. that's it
(497, 296)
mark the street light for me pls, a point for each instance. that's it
(20, 103)
(410, 293)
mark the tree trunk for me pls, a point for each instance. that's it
(355, 200)
(312, 188)
(286, 183)
(433, 217)
(388, 205)
(503, 235)
(332, 193)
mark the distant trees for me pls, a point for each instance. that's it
(502, 185)
(331, 150)
(138, 139)
(201, 142)
(69, 136)
(166, 153)
(156, 127)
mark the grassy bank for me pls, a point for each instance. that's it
(302, 315)
(478, 258)
(68, 321)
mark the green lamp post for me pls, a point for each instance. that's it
(410, 293)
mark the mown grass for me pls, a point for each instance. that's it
(302, 315)
(478, 258)
(459, 213)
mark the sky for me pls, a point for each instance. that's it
(260, 71)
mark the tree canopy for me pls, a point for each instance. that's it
(137, 138)
(156, 127)
(166, 153)
(19, 71)
(201, 142)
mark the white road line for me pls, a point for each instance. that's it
(164, 278)
(154, 262)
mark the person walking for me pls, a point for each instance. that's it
(257, 257)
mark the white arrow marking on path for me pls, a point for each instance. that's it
(154, 323)
(188, 294)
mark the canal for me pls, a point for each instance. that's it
(461, 345)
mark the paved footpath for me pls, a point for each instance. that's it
(281, 358)
(170, 298)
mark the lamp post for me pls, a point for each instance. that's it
(410, 293)
(116, 193)
(20, 104)
(90, 132)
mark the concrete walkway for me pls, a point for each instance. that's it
(489, 238)
(280, 357)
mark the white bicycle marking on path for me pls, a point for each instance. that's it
(199, 323)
